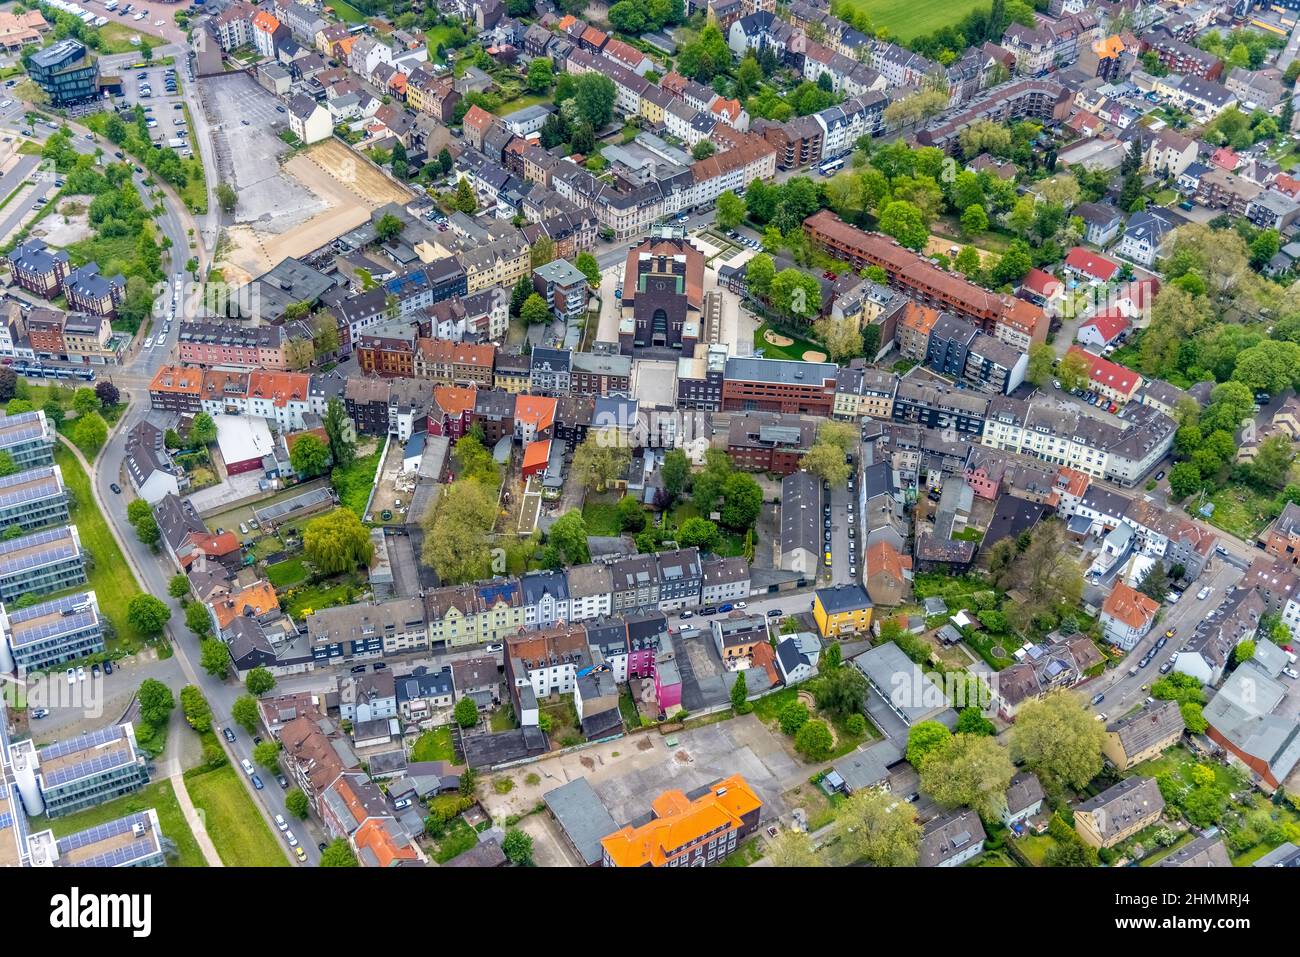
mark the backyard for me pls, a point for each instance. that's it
(773, 350)
(435, 745)
(240, 835)
(342, 590)
(108, 573)
(354, 483)
(601, 517)
(161, 797)
(1240, 509)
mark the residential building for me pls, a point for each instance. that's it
(1127, 616)
(44, 635)
(78, 773)
(33, 499)
(1119, 812)
(951, 840)
(40, 563)
(842, 609)
(1143, 735)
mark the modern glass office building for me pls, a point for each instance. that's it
(66, 71)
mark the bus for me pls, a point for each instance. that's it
(830, 166)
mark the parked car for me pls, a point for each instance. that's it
(494, 648)
(72, 677)
(774, 613)
(288, 836)
(38, 713)
(1204, 593)
(247, 765)
(1160, 475)
(723, 609)
(1098, 698)
(1166, 667)
(280, 780)
(81, 674)
(108, 667)
(230, 735)
(117, 489)
(280, 823)
(300, 854)
(1291, 673)
(257, 782)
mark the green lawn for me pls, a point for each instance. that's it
(354, 483)
(906, 19)
(795, 351)
(237, 829)
(111, 577)
(1241, 510)
(286, 573)
(346, 12)
(1035, 847)
(116, 38)
(161, 797)
(301, 601)
(747, 853)
(434, 745)
(460, 837)
(601, 518)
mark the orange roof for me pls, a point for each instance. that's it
(537, 454)
(919, 318)
(398, 83)
(264, 21)
(884, 557)
(1109, 48)
(1024, 316)
(345, 45)
(375, 836)
(292, 438)
(178, 379)
(729, 108)
(1110, 375)
(281, 387)
(567, 21)
(762, 656)
(1130, 606)
(477, 118)
(256, 599)
(623, 53)
(679, 822)
(537, 410)
(596, 38)
(1072, 481)
(454, 399)
(458, 353)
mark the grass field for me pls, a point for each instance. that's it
(111, 577)
(906, 19)
(1241, 510)
(354, 483)
(158, 796)
(346, 12)
(434, 745)
(238, 831)
(285, 573)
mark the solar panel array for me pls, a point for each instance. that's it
(25, 488)
(20, 428)
(45, 548)
(119, 856)
(66, 622)
(279, 509)
(98, 764)
(91, 739)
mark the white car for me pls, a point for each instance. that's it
(247, 765)
(148, 343)
(280, 823)
(1204, 593)
(1291, 673)
(288, 836)
(6, 103)
(72, 677)
(157, 23)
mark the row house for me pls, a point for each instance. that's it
(769, 441)
(432, 94)
(387, 350)
(1182, 58)
(38, 268)
(1051, 43)
(209, 343)
(1036, 99)
(455, 363)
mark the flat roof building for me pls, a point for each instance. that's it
(80, 772)
(48, 634)
(41, 563)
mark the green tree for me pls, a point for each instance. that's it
(342, 449)
(924, 739)
(260, 681)
(388, 227)
(569, 537)
(337, 541)
(588, 266)
(535, 311)
(814, 740)
(267, 755)
(197, 712)
(309, 456)
(203, 430)
(466, 712)
(974, 220)
(178, 586)
(697, 532)
(91, 431)
(791, 848)
(972, 721)
(85, 401)
(243, 711)
(903, 221)
(156, 702)
(518, 847)
(760, 272)
(730, 210)
(227, 198)
(214, 657)
(601, 458)
(338, 854)
(876, 827)
(146, 529)
(147, 615)
(297, 804)
(1041, 358)
(739, 693)
(969, 770)
(198, 620)
(1184, 480)
(1059, 739)
(742, 501)
(675, 471)
(792, 717)
(540, 74)
(1244, 651)
(465, 201)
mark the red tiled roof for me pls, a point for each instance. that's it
(1108, 325)
(1110, 375)
(1129, 606)
(1091, 264)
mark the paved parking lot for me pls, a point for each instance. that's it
(162, 107)
(245, 138)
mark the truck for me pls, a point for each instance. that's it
(176, 142)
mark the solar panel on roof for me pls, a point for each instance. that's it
(92, 739)
(98, 764)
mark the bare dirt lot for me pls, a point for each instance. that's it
(342, 190)
(68, 224)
